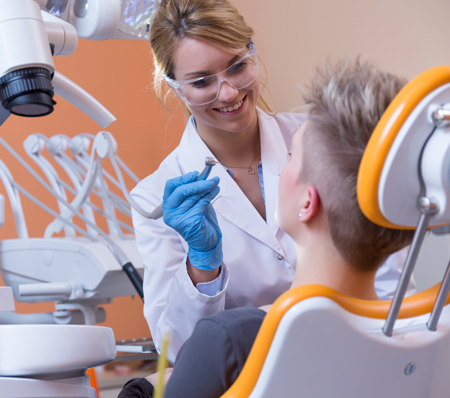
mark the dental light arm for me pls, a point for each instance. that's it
(82, 100)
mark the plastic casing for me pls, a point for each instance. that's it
(399, 183)
(69, 349)
(388, 183)
(100, 22)
(93, 265)
(20, 21)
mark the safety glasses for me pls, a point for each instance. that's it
(204, 90)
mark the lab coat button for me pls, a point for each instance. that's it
(280, 257)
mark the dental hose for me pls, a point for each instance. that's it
(126, 265)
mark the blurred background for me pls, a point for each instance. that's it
(291, 36)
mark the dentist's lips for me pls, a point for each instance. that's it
(232, 110)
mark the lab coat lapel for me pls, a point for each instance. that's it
(231, 202)
(273, 156)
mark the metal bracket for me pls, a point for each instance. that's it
(427, 208)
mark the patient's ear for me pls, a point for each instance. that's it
(310, 206)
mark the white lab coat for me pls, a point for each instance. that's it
(259, 257)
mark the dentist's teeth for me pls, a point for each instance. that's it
(232, 108)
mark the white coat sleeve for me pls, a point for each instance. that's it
(172, 302)
(388, 276)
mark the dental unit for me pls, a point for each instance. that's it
(78, 273)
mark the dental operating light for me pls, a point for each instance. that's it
(106, 19)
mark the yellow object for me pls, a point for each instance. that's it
(162, 364)
(384, 135)
(416, 305)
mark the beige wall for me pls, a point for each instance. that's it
(404, 36)
(292, 36)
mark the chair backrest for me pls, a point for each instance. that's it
(321, 350)
(318, 343)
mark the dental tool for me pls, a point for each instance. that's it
(93, 176)
(157, 213)
(209, 163)
(33, 146)
(78, 147)
(14, 200)
(72, 209)
(102, 187)
(56, 146)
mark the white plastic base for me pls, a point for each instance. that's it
(17, 387)
(53, 352)
(6, 299)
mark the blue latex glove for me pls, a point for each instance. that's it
(187, 209)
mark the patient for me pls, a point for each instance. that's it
(337, 246)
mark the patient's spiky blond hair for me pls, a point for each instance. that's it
(346, 99)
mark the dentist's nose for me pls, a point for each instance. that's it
(227, 93)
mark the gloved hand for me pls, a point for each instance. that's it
(187, 209)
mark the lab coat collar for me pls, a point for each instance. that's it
(231, 202)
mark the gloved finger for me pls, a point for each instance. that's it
(206, 199)
(202, 204)
(190, 194)
(211, 216)
(174, 183)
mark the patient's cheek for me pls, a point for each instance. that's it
(286, 207)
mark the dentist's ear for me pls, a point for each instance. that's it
(310, 206)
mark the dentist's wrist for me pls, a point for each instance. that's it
(201, 276)
(207, 260)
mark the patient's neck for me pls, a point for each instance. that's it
(320, 263)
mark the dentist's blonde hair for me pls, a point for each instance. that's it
(213, 21)
(346, 100)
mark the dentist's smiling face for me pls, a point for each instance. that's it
(233, 110)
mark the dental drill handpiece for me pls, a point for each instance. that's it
(209, 163)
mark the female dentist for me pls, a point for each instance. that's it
(216, 250)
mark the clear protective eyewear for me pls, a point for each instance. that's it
(206, 89)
